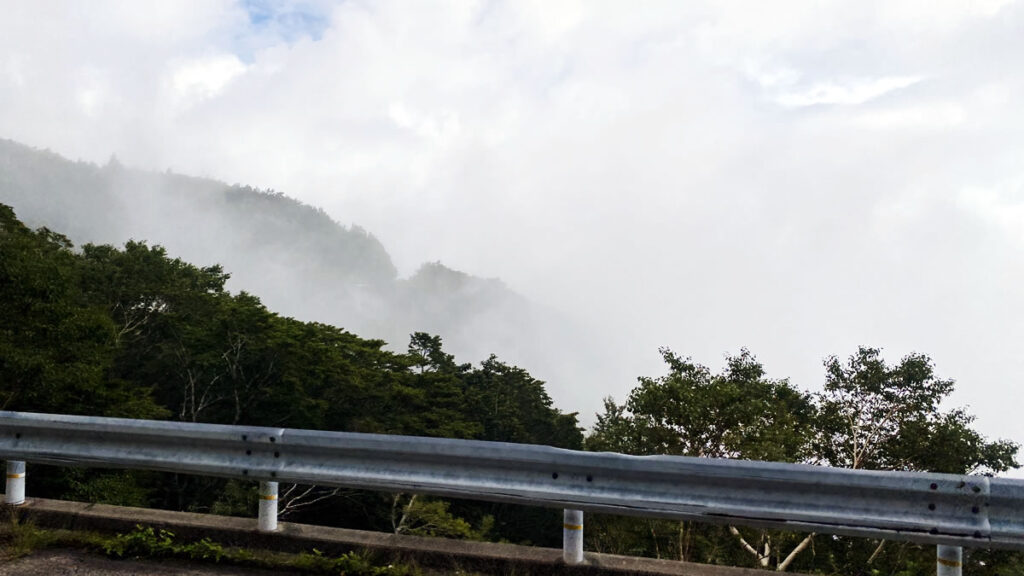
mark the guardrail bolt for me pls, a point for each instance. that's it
(950, 560)
(268, 507)
(15, 493)
(572, 537)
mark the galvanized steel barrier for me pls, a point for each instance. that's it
(941, 509)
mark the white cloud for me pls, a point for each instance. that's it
(438, 128)
(918, 15)
(14, 69)
(204, 78)
(850, 92)
(94, 91)
(927, 116)
(1002, 208)
(696, 174)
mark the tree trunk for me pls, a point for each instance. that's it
(792, 555)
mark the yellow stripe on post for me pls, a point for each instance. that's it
(949, 560)
(15, 490)
(267, 521)
(572, 536)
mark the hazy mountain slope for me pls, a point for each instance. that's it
(282, 250)
(297, 259)
(63, 195)
(195, 216)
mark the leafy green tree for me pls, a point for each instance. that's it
(418, 516)
(882, 417)
(878, 416)
(427, 355)
(139, 284)
(691, 412)
(435, 390)
(55, 350)
(738, 413)
(513, 406)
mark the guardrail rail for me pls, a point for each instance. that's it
(950, 511)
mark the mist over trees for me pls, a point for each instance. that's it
(294, 257)
(134, 333)
(127, 328)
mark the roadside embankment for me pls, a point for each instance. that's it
(437, 553)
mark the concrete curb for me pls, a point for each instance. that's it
(436, 553)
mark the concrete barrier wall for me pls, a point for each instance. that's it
(437, 553)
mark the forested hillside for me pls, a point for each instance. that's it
(135, 333)
(294, 257)
(124, 326)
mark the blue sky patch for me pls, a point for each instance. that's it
(290, 20)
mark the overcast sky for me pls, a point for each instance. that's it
(796, 178)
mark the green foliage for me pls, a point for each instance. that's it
(981, 562)
(237, 498)
(419, 516)
(132, 332)
(869, 415)
(55, 353)
(513, 406)
(890, 418)
(135, 333)
(117, 488)
(146, 542)
(21, 539)
(738, 413)
(350, 564)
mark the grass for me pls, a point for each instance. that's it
(18, 539)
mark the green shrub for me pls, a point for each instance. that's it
(147, 542)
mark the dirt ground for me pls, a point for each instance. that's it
(77, 563)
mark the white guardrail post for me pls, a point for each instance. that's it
(572, 537)
(949, 560)
(268, 507)
(15, 492)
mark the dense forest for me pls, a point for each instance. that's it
(131, 332)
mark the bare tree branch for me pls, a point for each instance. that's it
(793, 554)
(877, 551)
(762, 559)
(305, 499)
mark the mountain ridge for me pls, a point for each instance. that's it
(295, 257)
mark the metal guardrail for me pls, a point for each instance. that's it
(942, 509)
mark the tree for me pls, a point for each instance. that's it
(140, 283)
(691, 412)
(418, 516)
(881, 417)
(55, 350)
(512, 406)
(739, 413)
(427, 355)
